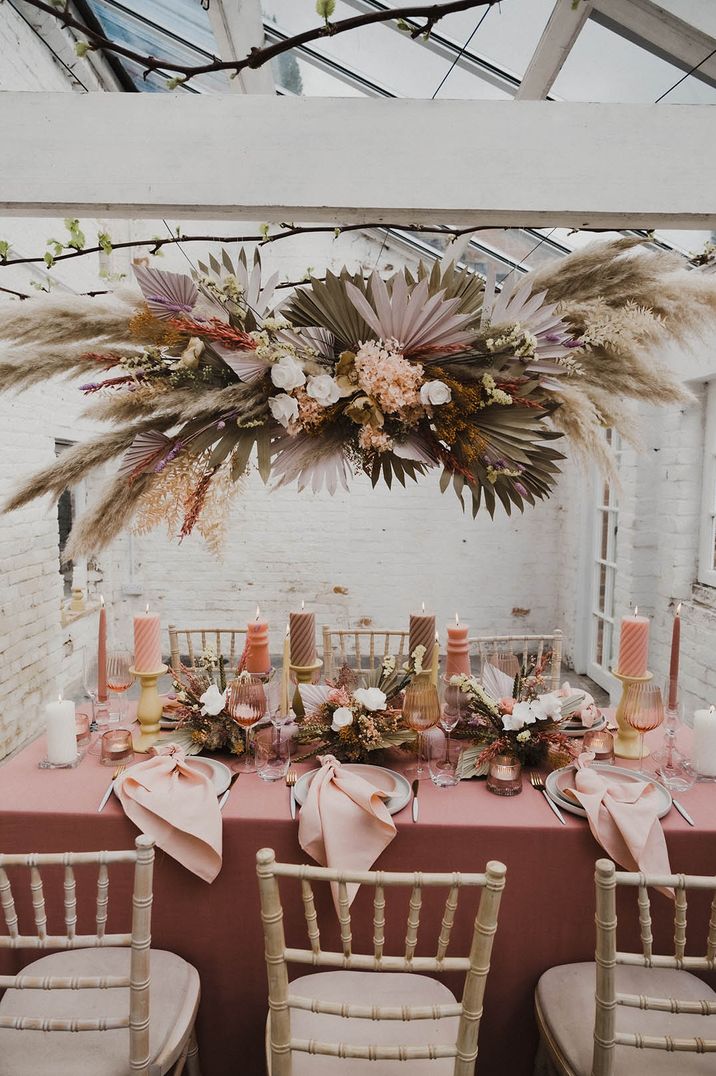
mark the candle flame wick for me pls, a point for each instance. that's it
(678, 609)
(258, 612)
(288, 629)
(101, 600)
(636, 610)
(303, 606)
(59, 698)
(457, 620)
(147, 609)
(423, 606)
(711, 709)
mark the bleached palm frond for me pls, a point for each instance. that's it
(409, 315)
(311, 462)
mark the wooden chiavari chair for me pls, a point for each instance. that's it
(226, 642)
(524, 647)
(363, 649)
(330, 1023)
(84, 988)
(670, 1012)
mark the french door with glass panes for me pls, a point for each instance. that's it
(603, 576)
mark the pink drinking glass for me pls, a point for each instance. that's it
(644, 712)
(246, 702)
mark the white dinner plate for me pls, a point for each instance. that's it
(214, 770)
(382, 778)
(560, 779)
(578, 729)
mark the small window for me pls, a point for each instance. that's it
(707, 537)
(65, 519)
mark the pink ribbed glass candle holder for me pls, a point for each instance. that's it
(117, 748)
(505, 776)
(600, 743)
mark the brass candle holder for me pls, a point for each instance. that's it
(303, 674)
(627, 743)
(149, 708)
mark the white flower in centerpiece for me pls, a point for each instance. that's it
(522, 714)
(283, 408)
(189, 358)
(548, 707)
(287, 373)
(323, 389)
(434, 393)
(524, 736)
(213, 701)
(342, 717)
(370, 698)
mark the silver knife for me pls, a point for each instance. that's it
(684, 814)
(106, 796)
(416, 809)
(225, 796)
(555, 808)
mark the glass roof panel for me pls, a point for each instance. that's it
(380, 55)
(699, 13)
(603, 66)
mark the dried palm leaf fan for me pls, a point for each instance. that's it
(200, 377)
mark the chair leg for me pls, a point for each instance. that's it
(192, 1058)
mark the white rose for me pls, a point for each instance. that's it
(342, 717)
(371, 698)
(435, 393)
(550, 707)
(323, 389)
(213, 700)
(287, 373)
(283, 408)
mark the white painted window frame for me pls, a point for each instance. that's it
(707, 529)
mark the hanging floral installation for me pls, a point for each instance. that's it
(200, 377)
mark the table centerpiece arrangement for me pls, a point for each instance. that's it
(201, 706)
(358, 714)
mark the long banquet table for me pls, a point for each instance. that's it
(546, 916)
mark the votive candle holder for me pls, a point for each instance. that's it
(505, 776)
(117, 749)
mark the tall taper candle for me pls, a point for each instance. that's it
(457, 660)
(422, 633)
(674, 663)
(258, 658)
(147, 643)
(302, 627)
(102, 694)
(61, 732)
(634, 645)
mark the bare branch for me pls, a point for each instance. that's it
(432, 13)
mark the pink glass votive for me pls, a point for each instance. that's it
(82, 729)
(601, 743)
(117, 749)
(505, 776)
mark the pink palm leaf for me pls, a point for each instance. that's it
(407, 314)
(168, 295)
(313, 462)
(516, 304)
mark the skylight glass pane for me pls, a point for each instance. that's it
(603, 66)
(177, 31)
(508, 35)
(391, 59)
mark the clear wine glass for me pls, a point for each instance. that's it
(278, 715)
(645, 712)
(421, 711)
(119, 679)
(246, 702)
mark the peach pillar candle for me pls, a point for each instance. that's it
(422, 633)
(633, 645)
(147, 643)
(302, 630)
(102, 694)
(674, 662)
(457, 661)
(258, 657)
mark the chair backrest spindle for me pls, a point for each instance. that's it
(523, 646)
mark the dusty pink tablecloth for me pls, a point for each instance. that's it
(546, 916)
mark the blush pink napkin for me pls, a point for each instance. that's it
(174, 803)
(623, 818)
(344, 822)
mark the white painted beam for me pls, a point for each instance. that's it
(353, 160)
(657, 30)
(554, 46)
(237, 26)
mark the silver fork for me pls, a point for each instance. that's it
(538, 785)
(291, 778)
(108, 793)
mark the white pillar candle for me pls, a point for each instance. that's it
(61, 732)
(705, 742)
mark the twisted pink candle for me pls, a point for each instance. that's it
(634, 646)
(147, 643)
(303, 639)
(422, 633)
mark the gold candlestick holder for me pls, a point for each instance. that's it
(149, 708)
(303, 674)
(627, 743)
